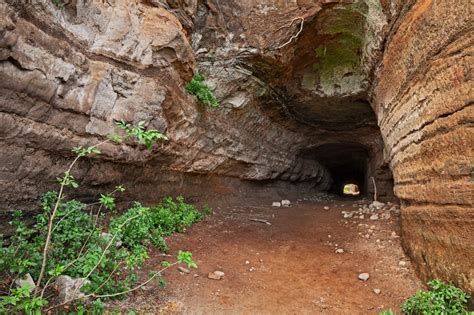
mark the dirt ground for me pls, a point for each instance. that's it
(288, 267)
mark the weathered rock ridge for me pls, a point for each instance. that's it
(314, 94)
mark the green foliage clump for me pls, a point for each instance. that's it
(81, 249)
(146, 137)
(201, 90)
(58, 3)
(442, 299)
(70, 238)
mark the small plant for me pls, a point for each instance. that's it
(442, 299)
(58, 3)
(387, 312)
(201, 90)
(70, 238)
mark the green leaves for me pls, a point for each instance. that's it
(146, 137)
(186, 258)
(67, 180)
(21, 301)
(81, 151)
(201, 90)
(107, 201)
(115, 138)
(441, 299)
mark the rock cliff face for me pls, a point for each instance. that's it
(303, 85)
(423, 97)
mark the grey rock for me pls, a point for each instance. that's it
(183, 270)
(364, 276)
(216, 275)
(276, 204)
(26, 281)
(377, 204)
(70, 288)
(285, 203)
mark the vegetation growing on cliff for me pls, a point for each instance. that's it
(198, 87)
(73, 242)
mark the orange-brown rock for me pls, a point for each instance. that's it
(314, 95)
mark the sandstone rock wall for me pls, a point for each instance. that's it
(423, 97)
(304, 86)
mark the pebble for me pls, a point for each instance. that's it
(276, 204)
(402, 263)
(27, 280)
(377, 291)
(326, 208)
(361, 217)
(374, 217)
(182, 269)
(377, 204)
(364, 276)
(285, 203)
(216, 275)
(339, 251)
(247, 262)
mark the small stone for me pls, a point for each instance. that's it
(361, 217)
(364, 276)
(326, 208)
(329, 236)
(216, 275)
(247, 262)
(285, 203)
(402, 263)
(377, 291)
(276, 204)
(26, 281)
(339, 251)
(374, 217)
(70, 288)
(377, 204)
(182, 269)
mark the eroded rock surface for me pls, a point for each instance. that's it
(423, 97)
(304, 86)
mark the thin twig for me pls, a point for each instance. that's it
(375, 189)
(261, 221)
(114, 294)
(51, 222)
(50, 229)
(104, 252)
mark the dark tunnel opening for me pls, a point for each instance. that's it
(347, 163)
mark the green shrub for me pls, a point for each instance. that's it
(73, 239)
(442, 299)
(201, 90)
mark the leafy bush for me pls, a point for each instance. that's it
(201, 90)
(72, 238)
(441, 299)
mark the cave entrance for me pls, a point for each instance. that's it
(347, 163)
